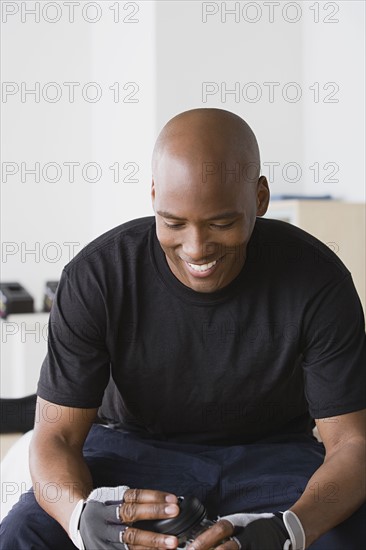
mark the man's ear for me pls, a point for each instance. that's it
(152, 192)
(263, 196)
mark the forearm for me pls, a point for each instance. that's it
(60, 477)
(334, 492)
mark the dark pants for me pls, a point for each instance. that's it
(261, 477)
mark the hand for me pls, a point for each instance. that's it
(140, 504)
(217, 536)
(253, 532)
(105, 519)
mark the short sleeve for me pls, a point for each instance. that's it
(334, 358)
(76, 369)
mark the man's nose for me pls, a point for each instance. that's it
(196, 247)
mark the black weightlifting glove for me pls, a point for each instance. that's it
(95, 523)
(280, 531)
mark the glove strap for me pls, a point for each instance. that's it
(295, 530)
(74, 532)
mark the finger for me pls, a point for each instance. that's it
(214, 536)
(148, 495)
(137, 537)
(228, 545)
(132, 511)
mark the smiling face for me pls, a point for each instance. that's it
(205, 204)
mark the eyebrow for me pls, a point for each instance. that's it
(220, 216)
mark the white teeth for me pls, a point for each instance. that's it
(203, 267)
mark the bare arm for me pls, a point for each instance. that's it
(337, 488)
(333, 493)
(61, 477)
(59, 473)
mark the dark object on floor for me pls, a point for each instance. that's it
(14, 299)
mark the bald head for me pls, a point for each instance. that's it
(206, 194)
(212, 134)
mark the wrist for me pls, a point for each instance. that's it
(74, 522)
(295, 530)
(309, 522)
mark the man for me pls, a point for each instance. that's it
(222, 336)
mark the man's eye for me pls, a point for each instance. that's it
(222, 226)
(214, 225)
(173, 225)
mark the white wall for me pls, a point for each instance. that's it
(229, 49)
(310, 140)
(123, 133)
(35, 214)
(335, 132)
(42, 216)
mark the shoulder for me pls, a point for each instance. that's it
(111, 261)
(115, 245)
(287, 246)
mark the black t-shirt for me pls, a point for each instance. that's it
(282, 344)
